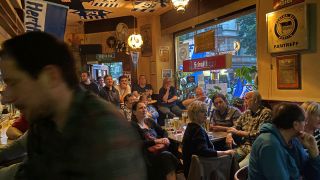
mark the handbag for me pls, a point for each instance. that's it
(157, 148)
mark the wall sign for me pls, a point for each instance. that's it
(288, 72)
(204, 42)
(278, 4)
(208, 63)
(287, 29)
(164, 53)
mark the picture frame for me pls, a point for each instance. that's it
(166, 73)
(288, 71)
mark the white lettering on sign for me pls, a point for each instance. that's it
(284, 2)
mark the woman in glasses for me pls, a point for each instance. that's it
(195, 140)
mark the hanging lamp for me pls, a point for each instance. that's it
(180, 5)
(135, 40)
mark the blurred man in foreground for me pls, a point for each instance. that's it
(73, 134)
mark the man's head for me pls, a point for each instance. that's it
(252, 100)
(101, 81)
(108, 80)
(199, 92)
(123, 81)
(142, 80)
(33, 65)
(129, 100)
(288, 116)
(220, 102)
(85, 76)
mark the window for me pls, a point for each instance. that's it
(227, 35)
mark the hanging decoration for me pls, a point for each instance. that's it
(180, 5)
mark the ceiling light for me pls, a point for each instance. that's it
(180, 5)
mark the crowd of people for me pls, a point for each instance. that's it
(88, 130)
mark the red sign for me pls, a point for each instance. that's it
(278, 4)
(208, 63)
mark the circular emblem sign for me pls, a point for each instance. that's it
(286, 26)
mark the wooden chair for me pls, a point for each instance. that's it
(212, 168)
(241, 174)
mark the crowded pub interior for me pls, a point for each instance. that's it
(159, 89)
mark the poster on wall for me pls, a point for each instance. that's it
(287, 29)
(164, 53)
(166, 73)
(146, 48)
(288, 72)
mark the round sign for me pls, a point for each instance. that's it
(286, 26)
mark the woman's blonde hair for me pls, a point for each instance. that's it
(311, 107)
(165, 81)
(194, 109)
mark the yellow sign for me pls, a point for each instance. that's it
(204, 42)
(287, 29)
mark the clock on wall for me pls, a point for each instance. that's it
(122, 32)
(183, 53)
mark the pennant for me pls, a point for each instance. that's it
(45, 16)
(147, 6)
(107, 3)
(92, 14)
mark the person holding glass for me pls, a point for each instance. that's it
(161, 164)
(196, 140)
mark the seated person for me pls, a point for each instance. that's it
(151, 110)
(248, 126)
(164, 164)
(312, 110)
(223, 116)
(142, 87)
(109, 92)
(123, 87)
(127, 107)
(101, 83)
(18, 128)
(11, 157)
(88, 84)
(195, 139)
(200, 96)
(278, 152)
(167, 98)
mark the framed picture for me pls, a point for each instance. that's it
(166, 73)
(146, 48)
(288, 72)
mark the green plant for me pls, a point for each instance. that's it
(246, 74)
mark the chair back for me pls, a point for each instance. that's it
(241, 174)
(212, 168)
(196, 169)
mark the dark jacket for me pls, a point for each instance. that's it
(110, 95)
(195, 141)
